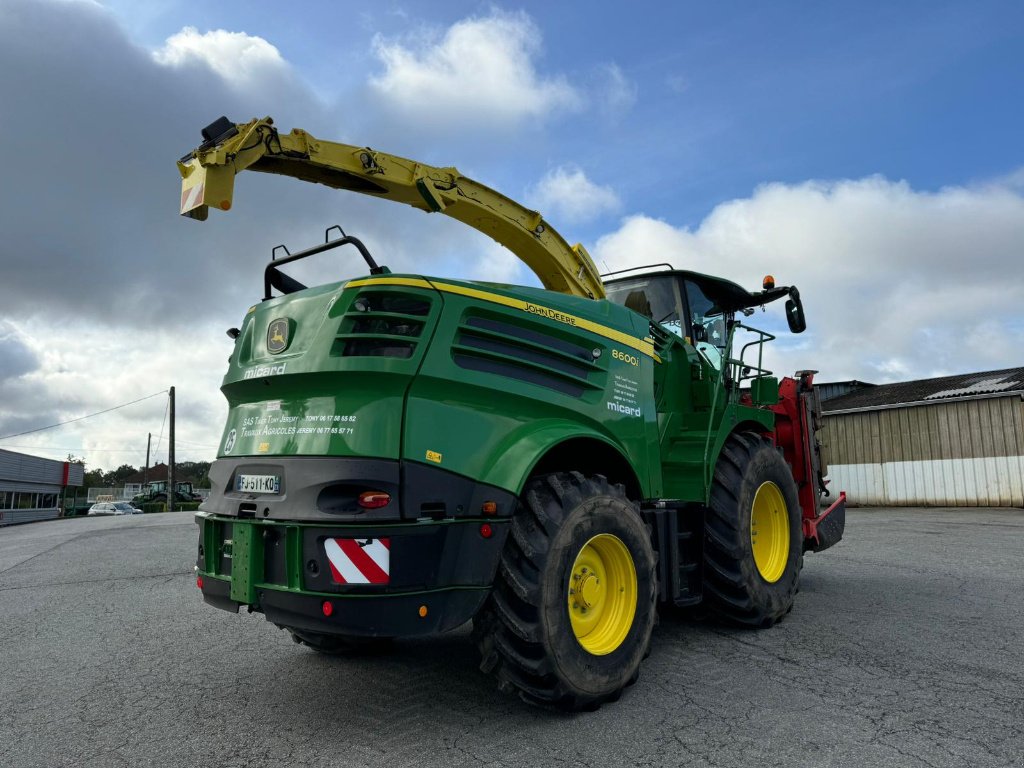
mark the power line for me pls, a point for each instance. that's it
(72, 450)
(161, 437)
(88, 416)
(83, 449)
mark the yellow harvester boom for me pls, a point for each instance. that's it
(208, 177)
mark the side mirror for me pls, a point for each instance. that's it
(795, 312)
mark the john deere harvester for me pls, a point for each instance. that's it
(406, 453)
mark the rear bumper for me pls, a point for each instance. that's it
(326, 488)
(437, 575)
(393, 615)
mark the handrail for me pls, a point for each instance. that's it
(271, 270)
(737, 367)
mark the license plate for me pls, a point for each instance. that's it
(258, 483)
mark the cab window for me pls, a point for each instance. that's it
(656, 298)
(707, 324)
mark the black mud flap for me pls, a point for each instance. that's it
(830, 525)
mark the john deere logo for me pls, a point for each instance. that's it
(277, 336)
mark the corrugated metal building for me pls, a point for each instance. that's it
(951, 441)
(830, 389)
(31, 487)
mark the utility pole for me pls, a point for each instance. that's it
(170, 459)
(145, 470)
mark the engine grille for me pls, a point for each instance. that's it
(382, 324)
(525, 354)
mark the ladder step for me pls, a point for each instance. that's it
(684, 602)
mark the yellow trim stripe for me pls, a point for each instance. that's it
(412, 282)
(645, 346)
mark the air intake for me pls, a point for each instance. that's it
(525, 354)
(381, 325)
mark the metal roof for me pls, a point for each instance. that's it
(922, 391)
(23, 468)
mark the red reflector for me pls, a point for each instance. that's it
(486, 531)
(374, 499)
(327, 608)
(199, 582)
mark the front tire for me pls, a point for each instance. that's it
(753, 538)
(573, 608)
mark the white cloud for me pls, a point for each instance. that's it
(235, 56)
(480, 71)
(499, 265)
(566, 194)
(99, 371)
(107, 293)
(897, 283)
(17, 359)
(617, 93)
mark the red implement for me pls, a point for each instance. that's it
(797, 421)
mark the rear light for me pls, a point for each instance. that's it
(489, 507)
(327, 608)
(199, 582)
(486, 531)
(374, 499)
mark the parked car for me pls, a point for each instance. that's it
(114, 508)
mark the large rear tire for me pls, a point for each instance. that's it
(752, 542)
(573, 607)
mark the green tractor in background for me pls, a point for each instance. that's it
(405, 453)
(155, 492)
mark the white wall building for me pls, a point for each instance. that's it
(31, 488)
(951, 441)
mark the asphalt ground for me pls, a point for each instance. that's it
(905, 648)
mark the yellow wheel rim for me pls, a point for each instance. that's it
(602, 594)
(769, 532)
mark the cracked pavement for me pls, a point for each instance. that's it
(905, 648)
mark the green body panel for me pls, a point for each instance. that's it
(493, 427)
(478, 379)
(695, 417)
(764, 390)
(246, 556)
(310, 399)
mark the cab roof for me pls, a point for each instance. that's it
(729, 296)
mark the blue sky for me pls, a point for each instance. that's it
(728, 95)
(870, 153)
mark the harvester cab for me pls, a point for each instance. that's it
(406, 453)
(701, 311)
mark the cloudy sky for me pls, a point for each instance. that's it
(869, 153)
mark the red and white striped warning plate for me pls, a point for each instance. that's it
(359, 561)
(192, 197)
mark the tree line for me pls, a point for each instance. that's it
(196, 472)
